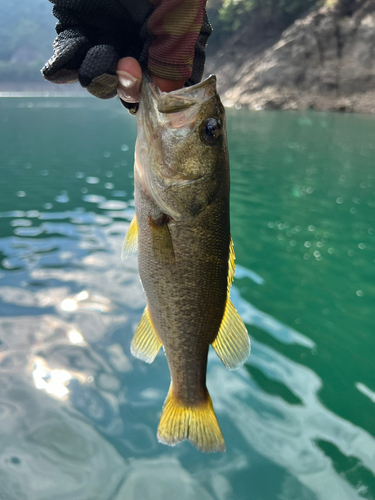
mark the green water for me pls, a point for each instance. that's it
(78, 414)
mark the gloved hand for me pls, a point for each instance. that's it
(92, 36)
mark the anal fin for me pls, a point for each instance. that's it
(130, 244)
(146, 343)
(232, 343)
(196, 423)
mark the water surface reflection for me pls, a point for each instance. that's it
(78, 414)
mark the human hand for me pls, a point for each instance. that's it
(91, 38)
(129, 74)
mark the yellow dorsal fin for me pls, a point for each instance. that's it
(145, 344)
(130, 244)
(196, 423)
(231, 264)
(232, 343)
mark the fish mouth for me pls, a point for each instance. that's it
(176, 110)
(177, 100)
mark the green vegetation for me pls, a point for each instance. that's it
(228, 16)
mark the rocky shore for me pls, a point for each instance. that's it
(324, 61)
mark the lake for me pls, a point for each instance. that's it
(79, 414)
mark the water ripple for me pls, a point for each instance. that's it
(79, 414)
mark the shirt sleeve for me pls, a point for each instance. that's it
(174, 27)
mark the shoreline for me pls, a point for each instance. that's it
(269, 99)
(272, 98)
(41, 94)
(41, 89)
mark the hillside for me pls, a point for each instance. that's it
(26, 35)
(323, 61)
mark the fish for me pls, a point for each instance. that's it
(181, 230)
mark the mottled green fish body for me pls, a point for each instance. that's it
(185, 255)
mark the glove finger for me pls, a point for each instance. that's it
(65, 19)
(81, 5)
(97, 72)
(70, 48)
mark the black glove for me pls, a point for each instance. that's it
(94, 34)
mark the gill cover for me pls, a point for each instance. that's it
(181, 155)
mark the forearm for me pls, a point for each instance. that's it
(174, 27)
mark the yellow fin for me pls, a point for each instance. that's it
(231, 264)
(162, 243)
(198, 424)
(130, 244)
(145, 344)
(232, 343)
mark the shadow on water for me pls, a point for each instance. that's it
(78, 414)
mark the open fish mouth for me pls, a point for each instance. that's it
(187, 97)
(159, 104)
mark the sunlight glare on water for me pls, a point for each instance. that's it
(78, 414)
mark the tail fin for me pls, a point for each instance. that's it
(198, 424)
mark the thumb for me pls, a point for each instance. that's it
(129, 76)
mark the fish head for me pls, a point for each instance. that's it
(181, 157)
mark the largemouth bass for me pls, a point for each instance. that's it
(185, 252)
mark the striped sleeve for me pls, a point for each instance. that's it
(174, 27)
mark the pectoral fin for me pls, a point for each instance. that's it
(146, 343)
(232, 343)
(130, 244)
(162, 243)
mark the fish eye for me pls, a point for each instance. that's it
(210, 131)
